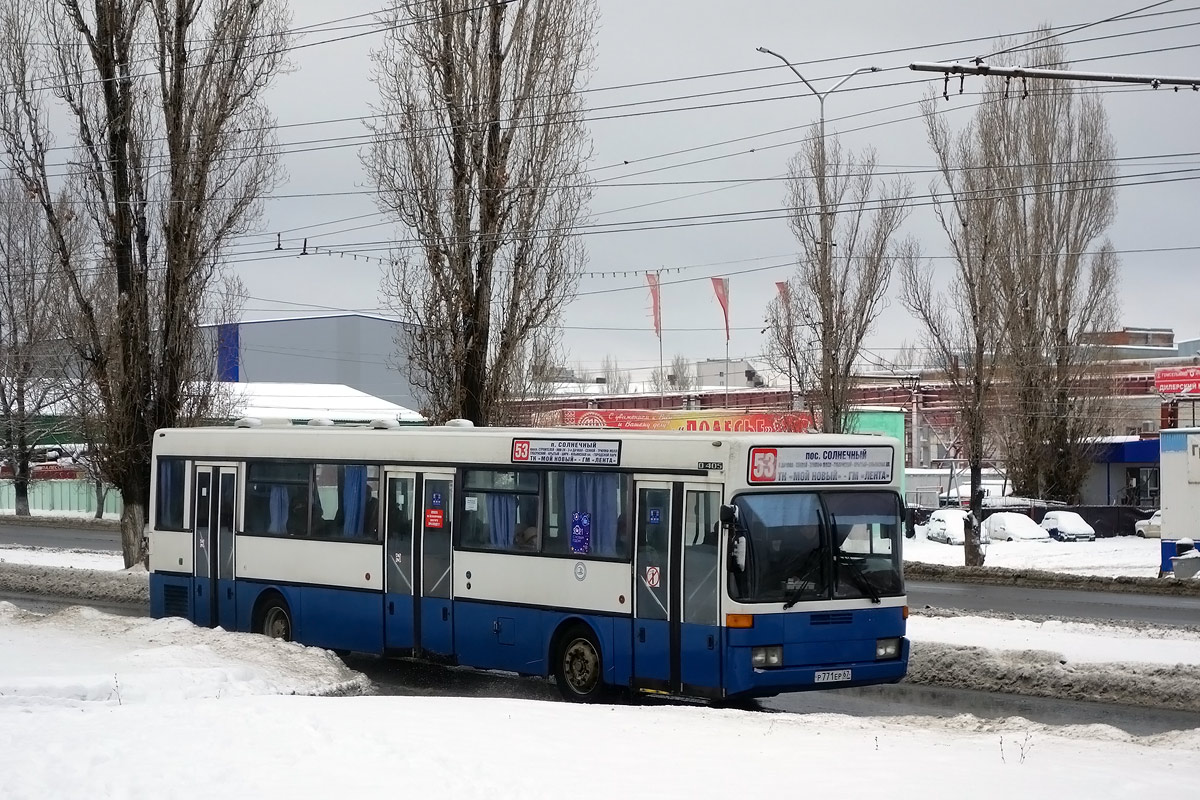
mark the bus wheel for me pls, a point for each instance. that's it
(276, 620)
(578, 666)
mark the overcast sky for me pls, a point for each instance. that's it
(656, 40)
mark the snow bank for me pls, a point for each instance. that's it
(51, 557)
(108, 586)
(78, 657)
(287, 747)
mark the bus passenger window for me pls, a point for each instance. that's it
(170, 494)
(589, 508)
(500, 510)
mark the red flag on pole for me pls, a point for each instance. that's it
(652, 279)
(783, 290)
(721, 287)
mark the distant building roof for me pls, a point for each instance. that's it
(305, 401)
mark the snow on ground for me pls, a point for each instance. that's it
(97, 706)
(1072, 641)
(81, 656)
(50, 557)
(1108, 558)
(62, 515)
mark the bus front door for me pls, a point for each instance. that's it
(399, 599)
(434, 612)
(655, 648)
(213, 528)
(700, 642)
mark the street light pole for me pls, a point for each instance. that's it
(822, 195)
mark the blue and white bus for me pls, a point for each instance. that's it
(709, 565)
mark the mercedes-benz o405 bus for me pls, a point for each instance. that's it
(711, 565)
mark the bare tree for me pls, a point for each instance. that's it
(847, 254)
(32, 362)
(1052, 153)
(616, 380)
(479, 153)
(172, 149)
(963, 325)
(677, 377)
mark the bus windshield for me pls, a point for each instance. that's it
(818, 546)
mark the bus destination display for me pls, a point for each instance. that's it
(868, 464)
(592, 452)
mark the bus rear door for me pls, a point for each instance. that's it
(213, 526)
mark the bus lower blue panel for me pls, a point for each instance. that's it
(170, 595)
(700, 656)
(651, 650)
(518, 639)
(227, 605)
(202, 612)
(398, 621)
(340, 619)
(437, 626)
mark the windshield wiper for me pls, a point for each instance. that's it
(842, 558)
(811, 562)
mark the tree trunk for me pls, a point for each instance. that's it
(21, 487)
(101, 496)
(135, 496)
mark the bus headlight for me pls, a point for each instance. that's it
(767, 657)
(887, 648)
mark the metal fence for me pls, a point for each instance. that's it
(55, 496)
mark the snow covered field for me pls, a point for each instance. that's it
(99, 706)
(1108, 558)
(50, 557)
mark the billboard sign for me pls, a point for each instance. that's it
(1177, 380)
(638, 419)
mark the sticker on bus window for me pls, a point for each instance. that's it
(653, 577)
(581, 533)
(433, 518)
(655, 516)
(470, 503)
(864, 464)
(436, 501)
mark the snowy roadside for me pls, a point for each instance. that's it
(77, 687)
(1130, 664)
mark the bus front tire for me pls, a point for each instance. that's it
(579, 668)
(276, 620)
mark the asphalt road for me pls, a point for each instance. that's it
(1022, 601)
(1016, 600)
(67, 538)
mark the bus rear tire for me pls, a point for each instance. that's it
(275, 619)
(578, 666)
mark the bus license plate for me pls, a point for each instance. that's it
(832, 675)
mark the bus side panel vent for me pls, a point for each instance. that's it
(832, 618)
(175, 601)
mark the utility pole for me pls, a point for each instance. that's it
(826, 245)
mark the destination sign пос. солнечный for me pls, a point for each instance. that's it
(864, 464)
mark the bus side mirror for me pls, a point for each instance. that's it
(729, 514)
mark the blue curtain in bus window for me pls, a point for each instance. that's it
(502, 518)
(279, 510)
(594, 494)
(354, 498)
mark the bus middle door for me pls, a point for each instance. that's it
(655, 643)
(399, 599)
(434, 612)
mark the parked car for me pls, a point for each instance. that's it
(949, 525)
(1149, 528)
(1008, 526)
(1067, 526)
